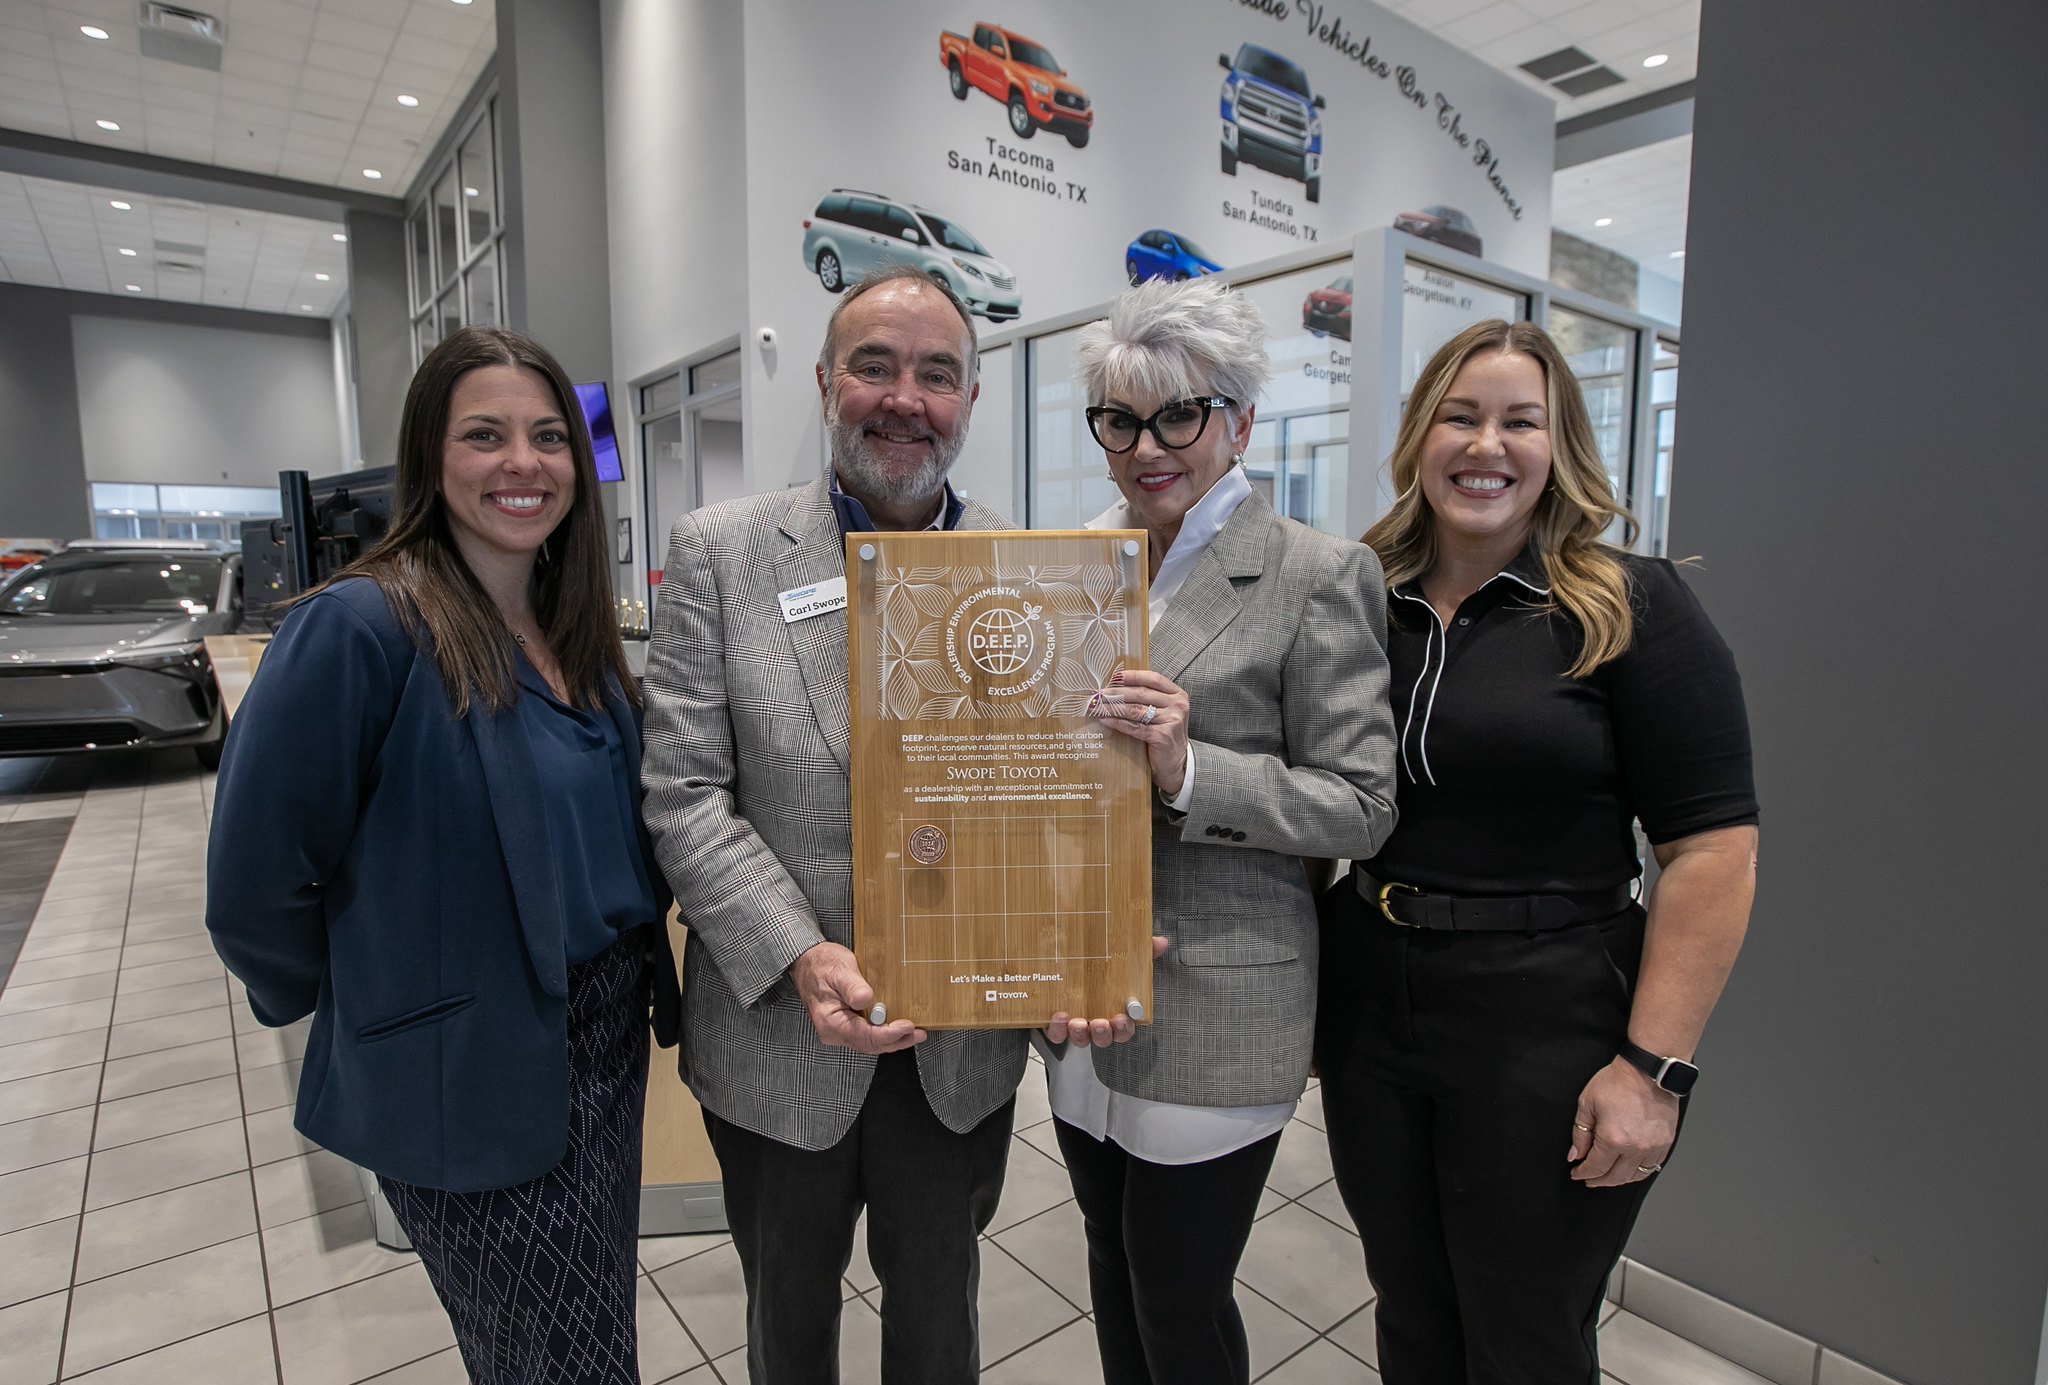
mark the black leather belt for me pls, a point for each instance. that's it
(1523, 913)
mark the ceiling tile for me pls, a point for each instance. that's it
(259, 41)
(357, 90)
(431, 53)
(353, 33)
(388, 12)
(355, 62)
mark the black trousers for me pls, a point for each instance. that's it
(929, 1193)
(1163, 1245)
(538, 1279)
(1452, 1066)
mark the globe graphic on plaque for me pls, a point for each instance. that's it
(999, 640)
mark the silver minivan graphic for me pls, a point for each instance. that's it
(853, 232)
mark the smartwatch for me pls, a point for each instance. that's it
(1674, 1075)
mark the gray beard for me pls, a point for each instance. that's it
(871, 476)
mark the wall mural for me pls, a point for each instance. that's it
(1057, 150)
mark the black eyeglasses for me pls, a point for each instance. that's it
(1175, 425)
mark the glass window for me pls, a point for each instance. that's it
(1068, 481)
(114, 496)
(451, 313)
(447, 250)
(118, 586)
(1437, 306)
(420, 239)
(662, 396)
(219, 500)
(482, 281)
(1299, 447)
(1602, 355)
(479, 172)
(722, 370)
(986, 470)
(427, 334)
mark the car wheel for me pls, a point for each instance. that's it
(1230, 161)
(1078, 138)
(829, 273)
(1180, 276)
(1131, 268)
(1315, 189)
(957, 80)
(1020, 117)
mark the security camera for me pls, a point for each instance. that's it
(766, 336)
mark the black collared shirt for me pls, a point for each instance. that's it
(853, 516)
(1518, 779)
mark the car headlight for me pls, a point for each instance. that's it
(159, 656)
(1315, 129)
(1229, 101)
(966, 267)
(1042, 88)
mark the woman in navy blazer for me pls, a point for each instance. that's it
(427, 836)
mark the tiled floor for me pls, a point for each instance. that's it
(160, 1220)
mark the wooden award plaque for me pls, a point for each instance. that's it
(1002, 837)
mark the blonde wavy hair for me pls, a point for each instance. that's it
(1585, 573)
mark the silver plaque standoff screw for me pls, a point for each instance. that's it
(879, 1015)
(1135, 1009)
(1131, 551)
(867, 553)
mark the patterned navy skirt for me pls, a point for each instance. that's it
(539, 1279)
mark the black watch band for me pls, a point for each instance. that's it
(1674, 1075)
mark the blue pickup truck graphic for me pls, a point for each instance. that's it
(1269, 117)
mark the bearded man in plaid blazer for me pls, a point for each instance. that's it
(814, 1112)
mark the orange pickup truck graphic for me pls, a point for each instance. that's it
(1022, 75)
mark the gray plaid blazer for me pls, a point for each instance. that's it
(1278, 636)
(747, 800)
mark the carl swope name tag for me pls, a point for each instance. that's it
(801, 603)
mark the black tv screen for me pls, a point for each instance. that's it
(597, 413)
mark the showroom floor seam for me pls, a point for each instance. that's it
(161, 1221)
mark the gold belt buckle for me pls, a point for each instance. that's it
(1388, 889)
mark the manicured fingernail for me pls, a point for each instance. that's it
(1117, 677)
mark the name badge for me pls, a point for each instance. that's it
(801, 603)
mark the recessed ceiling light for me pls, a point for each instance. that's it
(119, 206)
(372, 173)
(1656, 60)
(305, 307)
(92, 31)
(471, 192)
(1678, 254)
(321, 277)
(462, 2)
(126, 251)
(135, 288)
(408, 100)
(1605, 221)
(106, 124)
(340, 237)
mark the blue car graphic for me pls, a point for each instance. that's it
(1166, 255)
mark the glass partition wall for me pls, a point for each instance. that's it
(452, 240)
(1350, 336)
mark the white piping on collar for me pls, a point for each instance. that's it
(1436, 624)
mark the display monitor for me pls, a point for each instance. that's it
(597, 413)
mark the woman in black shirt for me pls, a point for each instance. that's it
(1505, 1032)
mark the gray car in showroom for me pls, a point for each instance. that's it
(100, 647)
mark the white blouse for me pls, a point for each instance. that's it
(1161, 1132)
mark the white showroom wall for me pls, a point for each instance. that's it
(675, 179)
(175, 403)
(1404, 121)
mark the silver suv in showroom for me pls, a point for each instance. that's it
(853, 232)
(100, 647)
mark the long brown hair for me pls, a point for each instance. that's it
(431, 588)
(1577, 506)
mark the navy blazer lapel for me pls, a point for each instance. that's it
(1207, 601)
(512, 777)
(816, 553)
